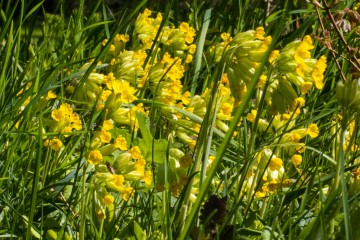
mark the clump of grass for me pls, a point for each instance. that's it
(141, 124)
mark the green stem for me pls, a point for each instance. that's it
(83, 204)
(341, 163)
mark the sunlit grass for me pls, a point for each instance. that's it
(179, 121)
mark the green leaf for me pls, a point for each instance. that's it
(139, 233)
(152, 150)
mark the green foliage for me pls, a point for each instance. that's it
(184, 120)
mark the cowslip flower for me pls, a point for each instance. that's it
(55, 144)
(120, 143)
(95, 157)
(296, 159)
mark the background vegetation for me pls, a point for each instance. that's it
(119, 123)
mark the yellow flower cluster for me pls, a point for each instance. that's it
(299, 68)
(65, 120)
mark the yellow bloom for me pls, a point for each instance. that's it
(262, 81)
(108, 199)
(185, 98)
(225, 37)
(135, 152)
(251, 116)
(140, 165)
(112, 48)
(66, 130)
(189, 58)
(148, 177)
(55, 144)
(224, 78)
(296, 159)
(104, 42)
(118, 181)
(275, 164)
(121, 37)
(293, 137)
(105, 136)
(120, 142)
(301, 69)
(259, 33)
(192, 144)
(108, 125)
(305, 87)
(57, 115)
(189, 32)
(192, 48)
(75, 122)
(313, 130)
(127, 193)
(95, 157)
(50, 95)
(127, 92)
(274, 54)
(109, 79)
(318, 72)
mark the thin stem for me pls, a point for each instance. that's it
(328, 44)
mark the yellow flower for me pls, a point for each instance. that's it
(275, 164)
(140, 165)
(185, 98)
(293, 137)
(148, 177)
(108, 125)
(189, 32)
(55, 144)
(251, 116)
(318, 72)
(301, 69)
(226, 37)
(120, 142)
(50, 95)
(105, 136)
(296, 159)
(192, 144)
(224, 78)
(95, 157)
(66, 130)
(274, 54)
(104, 42)
(109, 79)
(313, 130)
(135, 152)
(189, 58)
(108, 199)
(127, 193)
(75, 122)
(57, 115)
(192, 48)
(262, 81)
(121, 37)
(259, 33)
(118, 181)
(112, 48)
(127, 92)
(226, 108)
(305, 87)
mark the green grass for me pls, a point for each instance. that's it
(77, 165)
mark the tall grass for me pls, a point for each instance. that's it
(148, 121)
